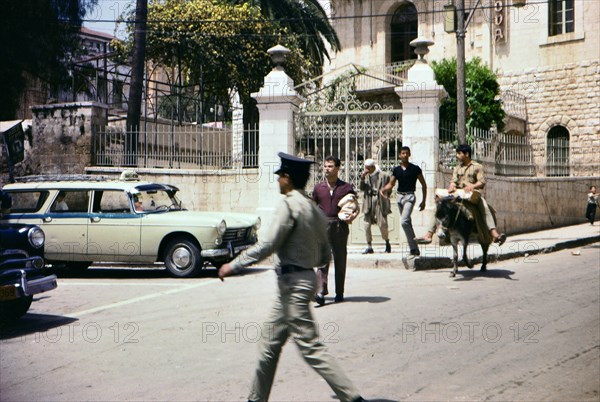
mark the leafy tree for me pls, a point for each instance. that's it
(482, 90)
(308, 21)
(37, 39)
(219, 45)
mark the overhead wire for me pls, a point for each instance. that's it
(294, 20)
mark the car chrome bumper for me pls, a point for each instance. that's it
(24, 287)
(40, 285)
(224, 252)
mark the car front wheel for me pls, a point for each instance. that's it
(12, 309)
(182, 258)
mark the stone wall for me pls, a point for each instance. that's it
(234, 190)
(530, 204)
(62, 138)
(522, 204)
(562, 95)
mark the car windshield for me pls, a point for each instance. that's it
(156, 201)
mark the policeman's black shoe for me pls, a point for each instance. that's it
(320, 299)
(360, 399)
(388, 246)
(368, 250)
(500, 239)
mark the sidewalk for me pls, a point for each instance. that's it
(434, 256)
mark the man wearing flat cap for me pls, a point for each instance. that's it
(375, 208)
(298, 238)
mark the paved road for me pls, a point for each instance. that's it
(527, 330)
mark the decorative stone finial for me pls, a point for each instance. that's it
(421, 46)
(278, 55)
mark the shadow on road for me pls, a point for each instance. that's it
(115, 273)
(34, 324)
(366, 299)
(137, 272)
(382, 400)
(490, 273)
(355, 299)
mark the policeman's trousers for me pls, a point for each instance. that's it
(291, 316)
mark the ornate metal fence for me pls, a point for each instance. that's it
(505, 154)
(181, 147)
(350, 130)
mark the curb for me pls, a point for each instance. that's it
(429, 263)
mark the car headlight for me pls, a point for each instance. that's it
(222, 228)
(36, 237)
(257, 224)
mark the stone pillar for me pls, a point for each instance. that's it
(421, 96)
(277, 102)
(237, 134)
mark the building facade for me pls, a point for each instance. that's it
(545, 52)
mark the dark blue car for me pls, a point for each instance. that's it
(21, 269)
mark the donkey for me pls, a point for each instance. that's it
(455, 219)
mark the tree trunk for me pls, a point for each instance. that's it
(134, 106)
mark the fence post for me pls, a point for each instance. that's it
(421, 96)
(277, 101)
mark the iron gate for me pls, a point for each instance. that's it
(350, 130)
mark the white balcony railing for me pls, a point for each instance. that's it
(384, 76)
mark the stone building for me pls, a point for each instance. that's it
(94, 76)
(544, 52)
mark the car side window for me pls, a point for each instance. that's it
(70, 201)
(111, 202)
(27, 201)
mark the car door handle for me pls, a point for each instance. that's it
(47, 219)
(95, 219)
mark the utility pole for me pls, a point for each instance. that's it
(134, 106)
(461, 102)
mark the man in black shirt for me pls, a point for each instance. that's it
(407, 175)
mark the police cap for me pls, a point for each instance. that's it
(297, 168)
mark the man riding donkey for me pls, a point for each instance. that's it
(468, 178)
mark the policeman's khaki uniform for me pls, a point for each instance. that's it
(298, 238)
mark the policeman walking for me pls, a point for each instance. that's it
(298, 238)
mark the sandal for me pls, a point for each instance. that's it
(422, 240)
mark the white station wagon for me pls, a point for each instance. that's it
(126, 221)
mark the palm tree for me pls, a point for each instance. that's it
(308, 20)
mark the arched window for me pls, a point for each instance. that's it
(403, 31)
(557, 152)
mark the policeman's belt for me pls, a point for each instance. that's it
(290, 269)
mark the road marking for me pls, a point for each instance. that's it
(115, 284)
(140, 298)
